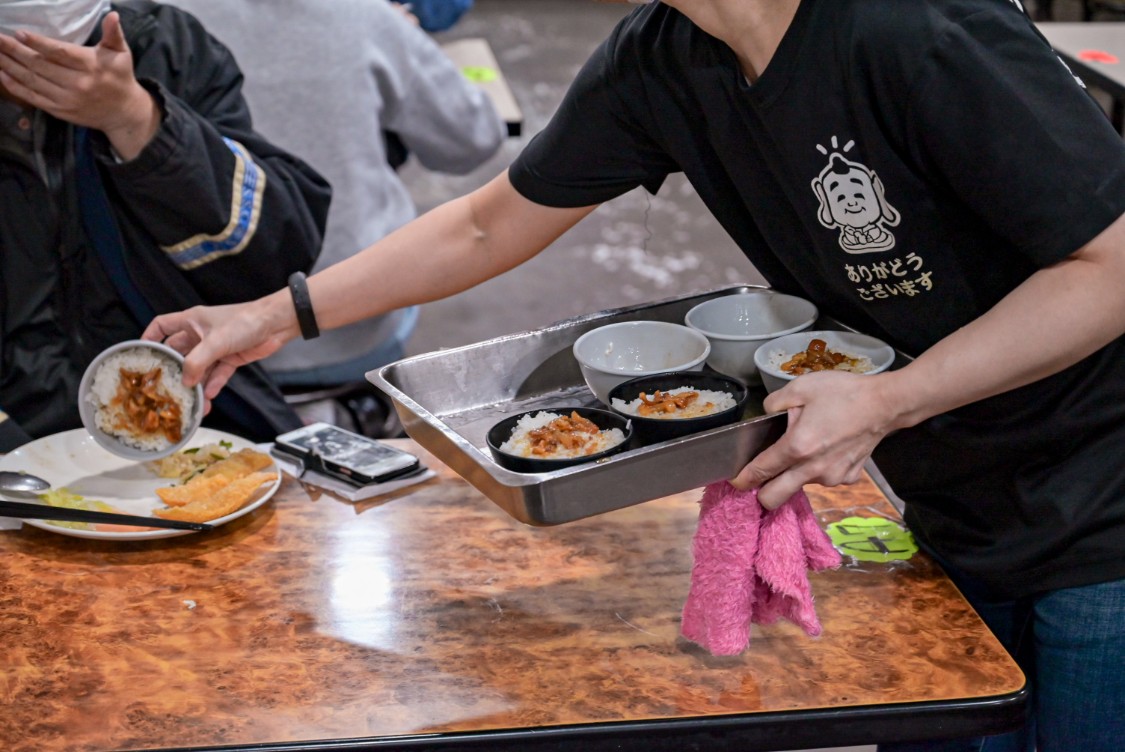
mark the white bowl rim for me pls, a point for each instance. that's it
(686, 366)
(752, 337)
(112, 443)
(761, 355)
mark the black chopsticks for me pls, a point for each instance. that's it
(27, 511)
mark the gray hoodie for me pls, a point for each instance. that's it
(324, 78)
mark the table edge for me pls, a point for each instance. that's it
(868, 724)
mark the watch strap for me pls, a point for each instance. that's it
(302, 302)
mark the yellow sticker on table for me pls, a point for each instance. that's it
(872, 539)
(479, 74)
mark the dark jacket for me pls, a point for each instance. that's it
(209, 213)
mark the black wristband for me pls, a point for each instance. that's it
(306, 319)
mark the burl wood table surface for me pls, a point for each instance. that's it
(431, 619)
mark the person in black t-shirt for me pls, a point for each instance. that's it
(927, 171)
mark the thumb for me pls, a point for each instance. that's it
(113, 38)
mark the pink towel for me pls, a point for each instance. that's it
(751, 567)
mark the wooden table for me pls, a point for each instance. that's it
(1095, 51)
(474, 57)
(431, 620)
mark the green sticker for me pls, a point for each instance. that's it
(872, 539)
(479, 73)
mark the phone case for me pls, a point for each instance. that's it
(332, 451)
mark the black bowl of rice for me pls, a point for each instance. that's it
(134, 404)
(669, 405)
(540, 441)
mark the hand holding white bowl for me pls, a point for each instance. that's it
(835, 421)
(836, 418)
(132, 401)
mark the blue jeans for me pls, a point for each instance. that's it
(1071, 645)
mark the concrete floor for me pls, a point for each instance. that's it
(632, 250)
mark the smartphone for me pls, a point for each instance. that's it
(346, 455)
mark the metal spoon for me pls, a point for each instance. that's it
(21, 482)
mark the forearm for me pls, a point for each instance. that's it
(448, 250)
(1060, 315)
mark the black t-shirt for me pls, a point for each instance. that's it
(904, 164)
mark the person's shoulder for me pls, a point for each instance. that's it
(653, 23)
(897, 23)
(654, 36)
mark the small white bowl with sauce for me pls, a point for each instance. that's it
(133, 403)
(873, 355)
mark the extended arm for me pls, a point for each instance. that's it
(455, 246)
(1060, 315)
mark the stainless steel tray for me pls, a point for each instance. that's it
(447, 401)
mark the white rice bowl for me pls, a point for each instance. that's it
(519, 443)
(709, 403)
(109, 416)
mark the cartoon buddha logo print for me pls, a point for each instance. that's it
(852, 201)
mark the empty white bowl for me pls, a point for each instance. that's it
(613, 354)
(737, 325)
(772, 354)
(93, 397)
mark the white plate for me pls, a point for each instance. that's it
(73, 460)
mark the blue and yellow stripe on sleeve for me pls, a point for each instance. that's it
(246, 207)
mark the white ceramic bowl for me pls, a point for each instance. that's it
(772, 354)
(613, 354)
(737, 325)
(88, 408)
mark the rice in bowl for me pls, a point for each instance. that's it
(676, 404)
(139, 398)
(819, 357)
(547, 435)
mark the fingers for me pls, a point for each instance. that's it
(206, 364)
(32, 89)
(170, 326)
(798, 471)
(770, 462)
(179, 331)
(217, 379)
(113, 37)
(43, 54)
(182, 342)
(36, 69)
(835, 421)
(776, 458)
